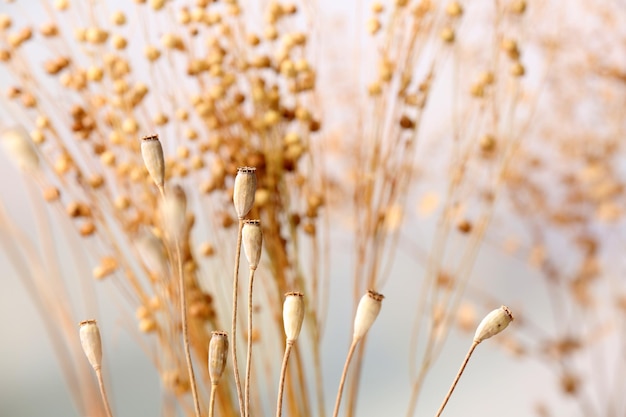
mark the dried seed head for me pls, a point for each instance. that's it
(245, 188)
(493, 323)
(293, 315)
(152, 153)
(218, 353)
(174, 212)
(90, 340)
(252, 238)
(19, 146)
(366, 313)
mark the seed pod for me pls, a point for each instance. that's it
(218, 353)
(366, 313)
(174, 212)
(152, 153)
(19, 146)
(90, 340)
(252, 238)
(293, 315)
(244, 190)
(493, 323)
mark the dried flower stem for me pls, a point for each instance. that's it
(283, 373)
(249, 353)
(343, 376)
(183, 313)
(212, 399)
(103, 393)
(234, 321)
(458, 376)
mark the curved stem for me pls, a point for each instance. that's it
(343, 377)
(233, 329)
(456, 379)
(281, 383)
(212, 399)
(249, 355)
(103, 393)
(183, 313)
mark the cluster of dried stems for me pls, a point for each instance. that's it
(512, 110)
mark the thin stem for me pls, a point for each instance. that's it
(103, 393)
(183, 313)
(456, 379)
(283, 374)
(233, 329)
(249, 355)
(212, 399)
(343, 377)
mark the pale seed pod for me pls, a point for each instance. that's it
(218, 353)
(91, 342)
(152, 153)
(19, 146)
(293, 315)
(493, 323)
(244, 190)
(174, 212)
(252, 238)
(366, 313)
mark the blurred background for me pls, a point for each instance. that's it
(454, 156)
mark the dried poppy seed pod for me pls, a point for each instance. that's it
(293, 315)
(366, 313)
(244, 190)
(493, 323)
(152, 153)
(19, 146)
(174, 212)
(218, 353)
(90, 340)
(252, 238)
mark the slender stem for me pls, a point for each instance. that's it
(281, 382)
(233, 329)
(343, 377)
(249, 355)
(212, 399)
(103, 393)
(183, 313)
(456, 379)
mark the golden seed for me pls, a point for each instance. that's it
(454, 9)
(95, 73)
(270, 33)
(373, 26)
(107, 158)
(96, 181)
(119, 42)
(61, 4)
(49, 29)
(151, 53)
(447, 34)
(37, 136)
(518, 6)
(87, 229)
(51, 194)
(517, 69)
(488, 143)
(160, 119)
(157, 4)
(207, 249)
(5, 21)
(130, 126)
(118, 18)
(121, 202)
(147, 325)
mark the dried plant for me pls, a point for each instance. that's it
(148, 133)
